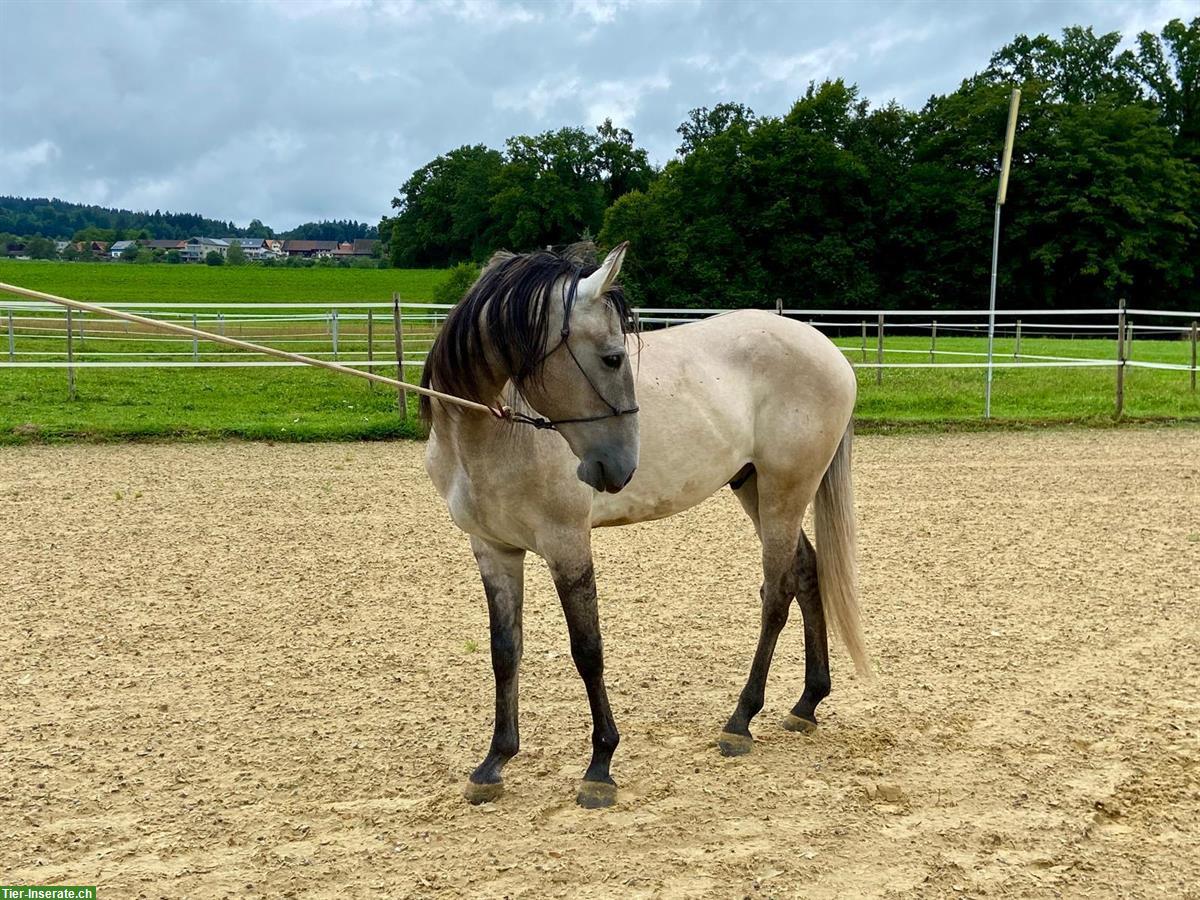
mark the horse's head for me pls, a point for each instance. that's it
(585, 381)
(556, 330)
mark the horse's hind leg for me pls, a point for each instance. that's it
(816, 641)
(778, 516)
(503, 571)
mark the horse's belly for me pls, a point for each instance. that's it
(631, 506)
(673, 475)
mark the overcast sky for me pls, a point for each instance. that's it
(293, 111)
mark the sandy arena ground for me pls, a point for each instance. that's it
(251, 670)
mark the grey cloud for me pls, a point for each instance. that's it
(291, 111)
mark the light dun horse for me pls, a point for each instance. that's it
(748, 399)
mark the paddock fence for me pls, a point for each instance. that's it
(372, 334)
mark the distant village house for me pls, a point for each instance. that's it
(197, 248)
(309, 248)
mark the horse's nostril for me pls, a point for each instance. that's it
(628, 478)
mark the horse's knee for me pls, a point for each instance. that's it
(776, 597)
(775, 615)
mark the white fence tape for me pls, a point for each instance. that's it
(252, 320)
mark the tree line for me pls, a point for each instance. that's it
(838, 204)
(24, 218)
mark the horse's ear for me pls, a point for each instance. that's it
(598, 283)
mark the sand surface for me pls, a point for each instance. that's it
(250, 670)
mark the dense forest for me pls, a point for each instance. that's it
(25, 217)
(839, 204)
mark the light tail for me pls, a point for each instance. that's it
(837, 568)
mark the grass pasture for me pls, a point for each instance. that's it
(300, 404)
(919, 399)
(117, 281)
(292, 404)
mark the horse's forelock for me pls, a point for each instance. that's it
(516, 323)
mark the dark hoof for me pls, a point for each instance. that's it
(731, 744)
(793, 722)
(483, 793)
(596, 794)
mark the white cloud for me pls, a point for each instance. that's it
(601, 12)
(492, 13)
(26, 158)
(813, 65)
(620, 100)
(889, 37)
(290, 110)
(1139, 17)
(538, 100)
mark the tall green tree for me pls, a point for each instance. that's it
(549, 190)
(623, 166)
(703, 123)
(235, 255)
(444, 210)
(1169, 67)
(840, 204)
(41, 248)
(774, 207)
(1082, 67)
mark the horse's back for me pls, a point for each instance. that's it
(758, 362)
(746, 387)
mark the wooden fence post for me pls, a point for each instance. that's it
(195, 342)
(1121, 359)
(1017, 348)
(398, 321)
(333, 324)
(371, 346)
(637, 321)
(779, 306)
(70, 356)
(879, 353)
(864, 340)
(12, 345)
(932, 340)
(1194, 330)
(221, 322)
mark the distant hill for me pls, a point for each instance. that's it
(52, 218)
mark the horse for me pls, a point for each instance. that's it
(747, 399)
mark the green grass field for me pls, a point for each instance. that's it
(116, 281)
(913, 399)
(308, 404)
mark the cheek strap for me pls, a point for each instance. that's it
(564, 341)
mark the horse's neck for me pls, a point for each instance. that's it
(476, 435)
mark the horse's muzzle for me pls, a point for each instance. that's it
(606, 473)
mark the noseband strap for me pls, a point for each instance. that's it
(563, 341)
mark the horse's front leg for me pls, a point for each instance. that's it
(576, 583)
(503, 571)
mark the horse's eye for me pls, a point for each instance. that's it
(613, 360)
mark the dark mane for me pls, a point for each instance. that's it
(507, 305)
